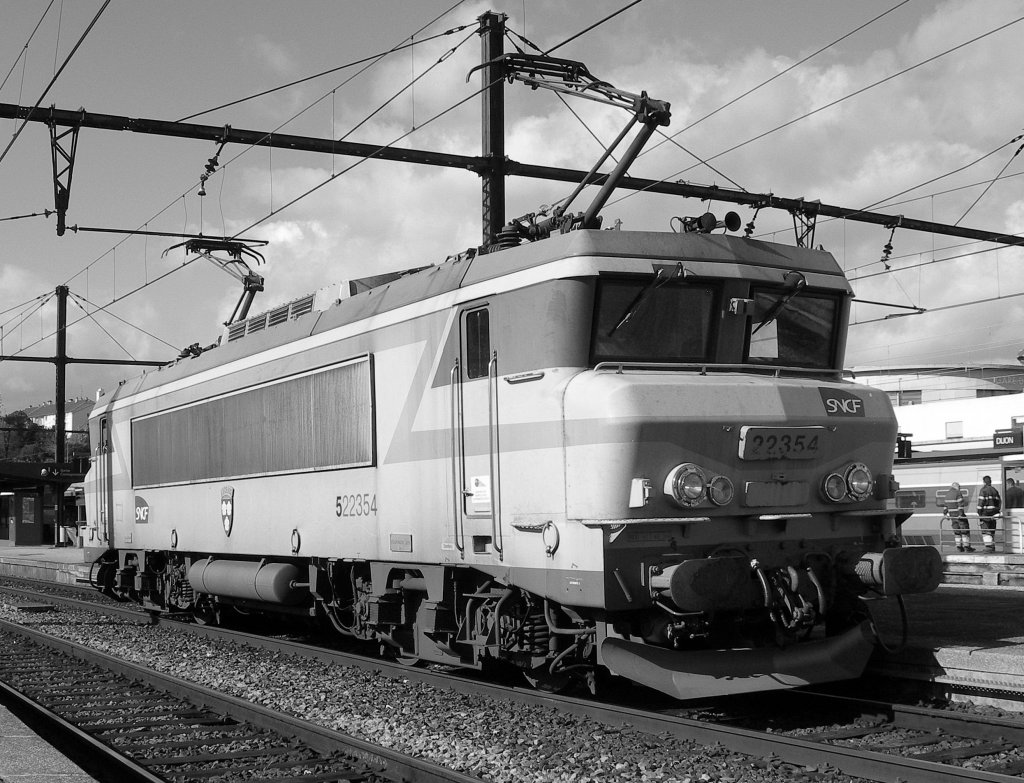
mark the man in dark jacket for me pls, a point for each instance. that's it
(989, 506)
(1014, 494)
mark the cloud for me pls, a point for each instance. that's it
(383, 216)
(268, 54)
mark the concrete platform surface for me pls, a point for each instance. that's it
(27, 758)
(65, 565)
(970, 637)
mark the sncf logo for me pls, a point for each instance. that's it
(841, 403)
(141, 510)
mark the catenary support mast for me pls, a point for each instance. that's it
(492, 171)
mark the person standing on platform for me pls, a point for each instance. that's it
(989, 506)
(954, 509)
(1014, 494)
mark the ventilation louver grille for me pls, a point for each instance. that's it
(277, 316)
(301, 306)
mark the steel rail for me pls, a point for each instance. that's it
(84, 750)
(399, 766)
(871, 765)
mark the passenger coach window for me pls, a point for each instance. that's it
(799, 331)
(636, 321)
(478, 343)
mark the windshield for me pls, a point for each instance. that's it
(640, 320)
(801, 334)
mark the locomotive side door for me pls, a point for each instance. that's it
(478, 476)
(104, 485)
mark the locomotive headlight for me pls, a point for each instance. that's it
(834, 487)
(721, 491)
(859, 481)
(686, 484)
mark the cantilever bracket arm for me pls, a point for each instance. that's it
(805, 216)
(63, 156)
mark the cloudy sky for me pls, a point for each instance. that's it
(922, 101)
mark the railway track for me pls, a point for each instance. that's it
(804, 731)
(130, 723)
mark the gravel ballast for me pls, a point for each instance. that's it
(497, 740)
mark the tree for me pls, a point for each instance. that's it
(22, 440)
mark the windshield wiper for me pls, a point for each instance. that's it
(634, 307)
(795, 283)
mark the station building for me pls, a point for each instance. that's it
(30, 492)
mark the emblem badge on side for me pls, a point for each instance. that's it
(227, 508)
(141, 510)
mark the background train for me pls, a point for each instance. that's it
(604, 450)
(925, 478)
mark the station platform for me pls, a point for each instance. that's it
(25, 757)
(967, 636)
(64, 565)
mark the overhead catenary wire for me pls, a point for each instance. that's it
(279, 210)
(362, 160)
(24, 50)
(943, 308)
(56, 76)
(886, 201)
(112, 302)
(594, 26)
(103, 329)
(79, 298)
(772, 78)
(832, 104)
(40, 303)
(509, 37)
(181, 196)
(408, 86)
(368, 59)
(924, 263)
(135, 290)
(26, 303)
(992, 182)
(920, 198)
(943, 353)
(116, 299)
(334, 176)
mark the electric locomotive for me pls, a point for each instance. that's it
(572, 451)
(628, 450)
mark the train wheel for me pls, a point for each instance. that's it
(541, 679)
(411, 661)
(398, 655)
(205, 611)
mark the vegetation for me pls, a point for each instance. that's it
(22, 440)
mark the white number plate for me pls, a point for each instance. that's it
(781, 442)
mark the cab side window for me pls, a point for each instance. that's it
(478, 343)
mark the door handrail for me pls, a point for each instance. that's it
(495, 460)
(458, 459)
